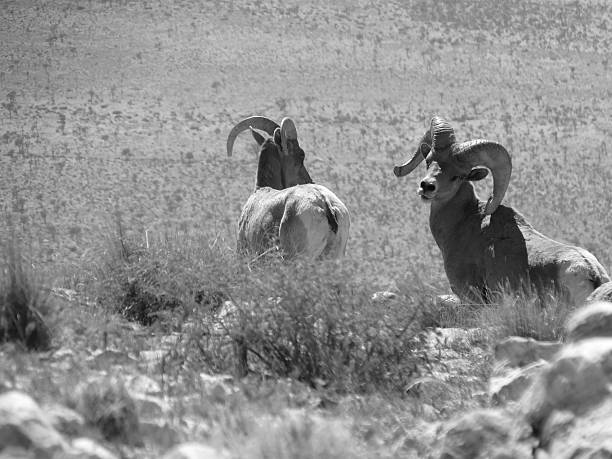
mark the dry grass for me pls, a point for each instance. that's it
(122, 108)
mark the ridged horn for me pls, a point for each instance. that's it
(442, 134)
(493, 156)
(258, 122)
(287, 132)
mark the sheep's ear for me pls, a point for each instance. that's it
(478, 173)
(277, 136)
(257, 136)
(269, 169)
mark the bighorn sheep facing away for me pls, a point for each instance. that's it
(287, 209)
(483, 254)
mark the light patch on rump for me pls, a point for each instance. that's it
(305, 228)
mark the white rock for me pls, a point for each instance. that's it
(384, 297)
(517, 351)
(579, 378)
(512, 383)
(86, 448)
(142, 384)
(588, 436)
(448, 301)
(590, 321)
(24, 425)
(193, 450)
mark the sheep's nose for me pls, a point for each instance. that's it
(428, 187)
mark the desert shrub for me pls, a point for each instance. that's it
(24, 302)
(166, 278)
(316, 322)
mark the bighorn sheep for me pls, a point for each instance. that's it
(287, 209)
(486, 246)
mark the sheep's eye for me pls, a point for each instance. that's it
(454, 177)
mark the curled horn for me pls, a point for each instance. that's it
(287, 132)
(439, 135)
(419, 155)
(258, 122)
(442, 134)
(493, 156)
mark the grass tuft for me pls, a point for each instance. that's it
(526, 314)
(24, 302)
(106, 404)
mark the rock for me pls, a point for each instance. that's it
(576, 380)
(384, 297)
(149, 406)
(160, 433)
(602, 293)
(517, 351)
(428, 389)
(559, 423)
(448, 301)
(65, 420)
(590, 321)
(580, 375)
(23, 425)
(227, 316)
(86, 448)
(141, 384)
(107, 358)
(64, 293)
(512, 383)
(586, 437)
(488, 433)
(193, 450)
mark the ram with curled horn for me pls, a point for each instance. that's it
(287, 210)
(488, 247)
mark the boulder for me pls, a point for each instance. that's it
(590, 321)
(517, 351)
(65, 420)
(510, 385)
(23, 425)
(602, 293)
(589, 436)
(488, 433)
(86, 448)
(193, 450)
(578, 379)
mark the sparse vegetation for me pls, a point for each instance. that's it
(122, 109)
